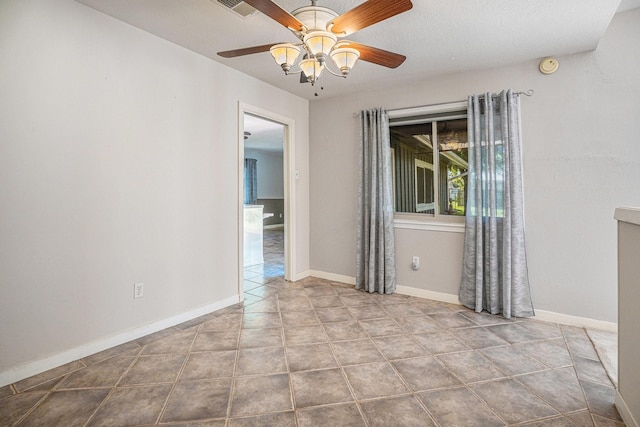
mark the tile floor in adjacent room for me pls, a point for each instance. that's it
(318, 353)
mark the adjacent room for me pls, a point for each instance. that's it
(207, 222)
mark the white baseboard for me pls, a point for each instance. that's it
(625, 413)
(583, 322)
(300, 276)
(349, 280)
(402, 290)
(432, 295)
(42, 365)
(547, 316)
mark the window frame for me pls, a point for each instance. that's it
(421, 164)
(416, 115)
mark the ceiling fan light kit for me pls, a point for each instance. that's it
(285, 54)
(345, 58)
(318, 29)
(312, 68)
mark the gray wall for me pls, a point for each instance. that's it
(276, 207)
(118, 164)
(581, 160)
(270, 183)
(270, 173)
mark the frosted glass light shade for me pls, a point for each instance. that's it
(285, 55)
(311, 69)
(345, 58)
(320, 42)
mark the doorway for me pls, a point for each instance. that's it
(265, 235)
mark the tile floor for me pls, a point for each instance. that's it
(317, 353)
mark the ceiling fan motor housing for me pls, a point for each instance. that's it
(314, 18)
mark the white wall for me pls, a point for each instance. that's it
(270, 176)
(117, 150)
(581, 160)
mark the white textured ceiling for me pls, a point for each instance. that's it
(437, 36)
(265, 134)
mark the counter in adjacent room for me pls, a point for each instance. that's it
(253, 235)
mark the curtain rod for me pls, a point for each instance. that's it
(528, 92)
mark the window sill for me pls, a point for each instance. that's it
(426, 225)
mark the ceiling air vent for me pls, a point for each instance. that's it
(239, 7)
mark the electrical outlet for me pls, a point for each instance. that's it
(415, 263)
(138, 290)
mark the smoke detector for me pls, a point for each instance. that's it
(548, 65)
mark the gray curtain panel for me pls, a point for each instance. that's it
(250, 181)
(375, 258)
(494, 274)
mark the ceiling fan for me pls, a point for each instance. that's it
(319, 30)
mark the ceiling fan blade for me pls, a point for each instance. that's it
(276, 13)
(377, 56)
(246, 51)
(368, 13)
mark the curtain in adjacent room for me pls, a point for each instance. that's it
(250, 181)
(494, 276)
(375, 259)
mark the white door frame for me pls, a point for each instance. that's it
(288, 161)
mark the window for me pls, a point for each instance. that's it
(430, 162)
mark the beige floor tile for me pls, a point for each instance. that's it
(66, 408)
(198, 400)
(381, 327)
(178, 343)
(345, 414)
(399, 411)
(512, 361)
(15, 407)
(59, 372)
(305, 334)
(558, 387)
(132, 406)
(399, 346)
(478, 337)
(425, 373)
(329, 315)
(459, 407)
(375, 380)
(357, 352)
(216, 340)
(163, 368)
(252, 338)
(261, 395)
(471, 366)
(512, 401)
(281, 419)
(316, 352)
(440, 342)
(102, 374)
(310, 356)
(209, 364)
(261, 360)
(344, 331)
(323, 387)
